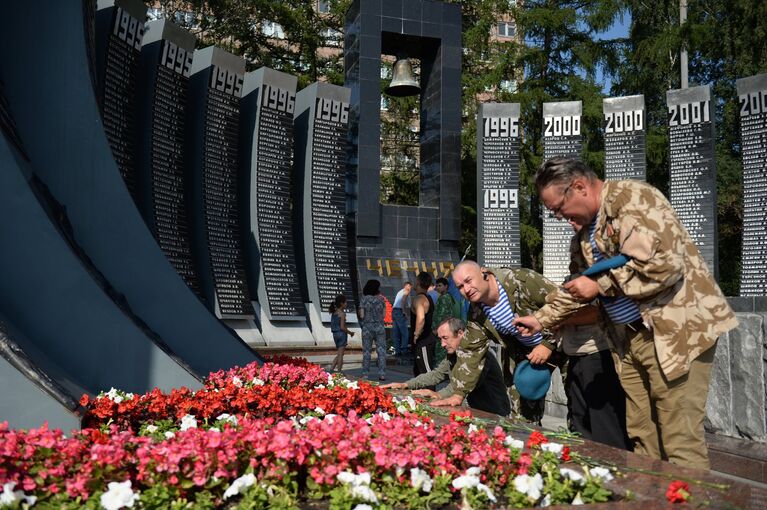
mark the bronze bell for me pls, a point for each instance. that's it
(403, 83)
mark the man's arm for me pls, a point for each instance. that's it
(431, 378)
(654, 240)
(420, 304)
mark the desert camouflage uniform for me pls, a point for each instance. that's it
(527, 292)
(680, 303)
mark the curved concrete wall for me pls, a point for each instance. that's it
(45, 71)
(70, 326)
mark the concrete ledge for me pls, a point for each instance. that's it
(737, 457)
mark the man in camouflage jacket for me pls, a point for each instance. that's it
(526, 291)
(667, 355)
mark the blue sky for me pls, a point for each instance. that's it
(619, 29)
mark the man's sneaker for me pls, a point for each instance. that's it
(381, 377)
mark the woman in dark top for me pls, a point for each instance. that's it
(340, 332)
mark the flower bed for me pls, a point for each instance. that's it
(282, 436)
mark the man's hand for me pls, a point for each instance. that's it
(539, 355)
(451, 401)
(426, 393)
(583, 288)
(394, 386)
(527, 325)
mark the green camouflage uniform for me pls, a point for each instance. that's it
(665, 368)
(527, 292)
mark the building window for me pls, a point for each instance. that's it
(187, 19)
(509, 86)
(506, 29)
(323, 6)
(154, 13)
(332, 37)
(272, 29)
(384, 103)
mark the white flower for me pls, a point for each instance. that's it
(129, 396)
(118, 495)
(227, 417)
(571, 474)
(577, 500)
(530, 486)
(411, 402)
(352, 385)
(481, 487)
(319, 411)
(420, 479)
(169, 434)
(346, 477)
(467, 480)
(329, 417)
(237, 381)
(360, 485)
(239, 484)
(151, 428)
(307, 419)
(9, 496)
(188, 422)
(257, 382)
(546, 501)
(514, 443)
(214, 429)
(364, 493)
(114, 396)
(554, 448)
(601, 472)
(384, 416)
(472, 428)
(363, 506)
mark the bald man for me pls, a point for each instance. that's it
(496, 297)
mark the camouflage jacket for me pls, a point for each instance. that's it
(527, 292)
(666, 276)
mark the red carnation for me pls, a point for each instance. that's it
(536, 439)
(678, 492)
(566, 454)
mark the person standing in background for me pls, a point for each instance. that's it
(424, 340)
(400, 333)
(340, 332)
(371, 314)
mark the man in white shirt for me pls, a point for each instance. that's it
(400, 334)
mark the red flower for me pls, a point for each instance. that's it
(460, 416)
(536, 439)
(566, 454)
(678, 492)
(524, 463)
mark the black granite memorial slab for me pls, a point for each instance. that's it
(269, 101)
(692, 182)
(212, 170)
(430, 32)
(498, 141)
(624, 126)
(165, 67)
(752, 97)
(119, 31)
(322, 120)
(561, 138)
